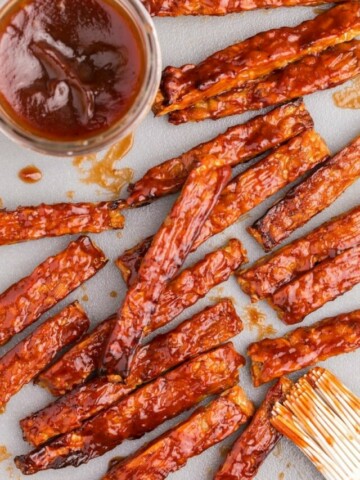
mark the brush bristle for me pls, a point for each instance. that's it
(322, 417)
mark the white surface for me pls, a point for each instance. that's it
(182, 40)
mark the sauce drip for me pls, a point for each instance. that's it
(4, 454)
(257, 320)
(103, 172)
(1, 203)
(349, 97)
(70, 69)
(113, 294)
(30, 174)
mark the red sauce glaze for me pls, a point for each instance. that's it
(69, 68)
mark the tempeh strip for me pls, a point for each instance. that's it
(25, 301)
(193, 283)
(175, 8)
(255, 57)
(169, 249)
(219, 322)
(209, 328)
(258, 439)
(327, 281)
(31, 223)
(272, 272)
(237, 145)
(303, 347)
(309, 198)
(206, 427)
(78, 363)
(140, 412)
(23, 362)
(312, 73)
(70, 411)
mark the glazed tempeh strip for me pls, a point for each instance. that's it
(309, 198)
(237, 145)
(175, 8)
(78, 363)
(255, 57)
(71, 410)
(31, 223)
(209, 328)
(258, 439)
(303, 347)
(219, 323)
(313, 289)
(204, 331)
(272, 272)
(194, 282)
(25, 301)
(169, 249)
(140, 412)
(23, 362)
(206, 427)
(312, 73)
(286, 164)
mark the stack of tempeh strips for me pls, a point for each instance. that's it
(309, 272)
(270, 68)
(26, 301)
(297, 156)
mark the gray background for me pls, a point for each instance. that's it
(182, 40)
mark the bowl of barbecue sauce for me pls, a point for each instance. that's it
(76, 75)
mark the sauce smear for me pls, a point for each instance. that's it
(256, 320)
(70, 69)
(104, 172)
(30, 174)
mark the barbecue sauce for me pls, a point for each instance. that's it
(70, 69)
(30, 174)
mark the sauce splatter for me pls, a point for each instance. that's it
(4, 454)
(11, 472)
(70, 194)
(30, 174)
(103, 172)
(113, 294)
(218, 298)
(85, 298)
(1, 203)
(256, 320)
(281, 476)
(277, 450)
(349, 97)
